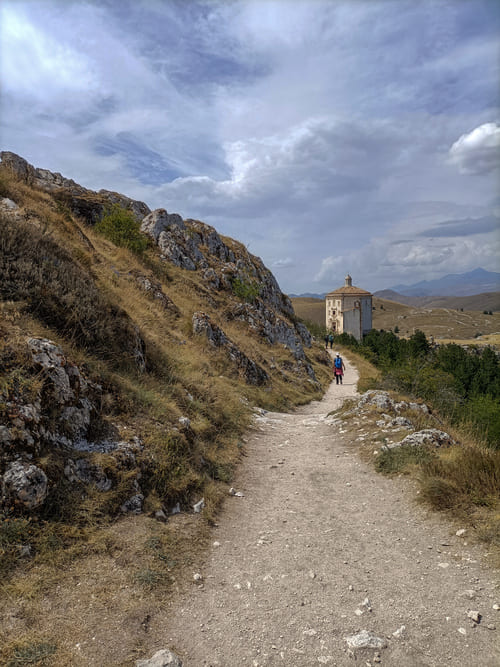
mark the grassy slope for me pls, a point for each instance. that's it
(95, 305)
(441, 323)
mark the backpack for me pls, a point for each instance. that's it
(338, 362)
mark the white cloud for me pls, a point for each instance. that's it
(477, 151)
(285, 263)
(301, 128)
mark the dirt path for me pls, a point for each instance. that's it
(316, 533)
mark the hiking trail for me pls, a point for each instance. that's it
(319, 548)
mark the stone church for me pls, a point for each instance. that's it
(349, 310)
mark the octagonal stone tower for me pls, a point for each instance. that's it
(349, 310)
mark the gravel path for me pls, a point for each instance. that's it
(316, 535)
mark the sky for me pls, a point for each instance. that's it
(329, 136)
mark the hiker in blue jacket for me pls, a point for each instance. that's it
(338, 368)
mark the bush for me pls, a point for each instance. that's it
(121, 228)
(245, 291)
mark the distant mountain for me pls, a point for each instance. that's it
(454, 284)
(308, 295)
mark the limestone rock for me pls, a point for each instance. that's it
(138, 208)
(160, 220)
(85, 203)
(253, 373)
(365, 639)
(24, 485)
(133, 505)
(197, 507)
(428, 436)
(163, 658)
(52, 360)
(84, 471)
(154, 290)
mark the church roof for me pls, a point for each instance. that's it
(349, 290)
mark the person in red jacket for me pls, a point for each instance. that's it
(338, 368)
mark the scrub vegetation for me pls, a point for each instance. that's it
(462, 388)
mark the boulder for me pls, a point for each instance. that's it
(159, 221)
(24, 485)
(429, 436)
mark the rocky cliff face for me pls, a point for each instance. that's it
(85, 203)
(52, 435)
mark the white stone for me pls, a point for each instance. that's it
(399, 632)
(460, 532)
(197, 576)
(365, 639)
(163, 658)
(462, 631)
(197, 507)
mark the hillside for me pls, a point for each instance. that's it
(442, 323)
(135, 347)
(476, 302)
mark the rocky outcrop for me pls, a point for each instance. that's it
(383, 401)
(392, 417)
(57, 426)
(85, 203)
(24, 486)
(273, 328)
(252, 372)
(432, 437)
(154, 290)
(194, 246)
(62, 411)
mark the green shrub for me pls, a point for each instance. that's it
(121, 228)
(32, 654)
(245, 291)
(484, 413)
